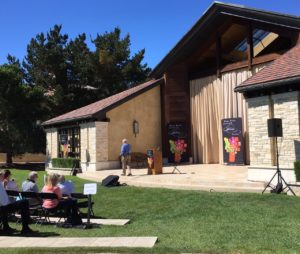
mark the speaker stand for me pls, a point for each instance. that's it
(175, 168)
(280, 178)
(88, 224)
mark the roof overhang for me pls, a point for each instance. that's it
(211, 19)
(101, 113)
(268, 85)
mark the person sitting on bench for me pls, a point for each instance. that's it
(6, 207)
(66, 187)
(65, 203)
(30, 183)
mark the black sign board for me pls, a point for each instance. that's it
(63, 139)
(233, 144)
(177, 141)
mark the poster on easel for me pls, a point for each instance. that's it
(233, 145)
(177, 142)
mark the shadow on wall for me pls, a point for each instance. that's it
(297, 149)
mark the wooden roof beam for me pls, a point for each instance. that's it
(249, 45)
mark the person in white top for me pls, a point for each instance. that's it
(66, 187)
(6, 207)
(9, 184)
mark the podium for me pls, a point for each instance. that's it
(154, 162)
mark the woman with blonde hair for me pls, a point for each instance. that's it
(65, 203)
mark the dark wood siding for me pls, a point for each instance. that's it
(176, 103)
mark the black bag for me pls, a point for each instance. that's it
(76, 220)
(110, 181)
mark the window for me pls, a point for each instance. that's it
(261, 39)
(69, 142)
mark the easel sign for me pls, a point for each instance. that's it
(89, 188)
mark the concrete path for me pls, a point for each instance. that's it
(110, 222)
(205, 177)
(56, 242)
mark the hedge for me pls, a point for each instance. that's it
(65, 162)
(297, 170)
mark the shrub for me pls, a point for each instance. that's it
(65, 162)
(297, 170)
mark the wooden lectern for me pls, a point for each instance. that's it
(154, 162)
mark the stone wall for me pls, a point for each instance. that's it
(87, 146)
(259, 142)
(286, 107)
(262, 152)
(93, 145)
(51, 146)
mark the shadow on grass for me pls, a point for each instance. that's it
(35, 234)
(25, 166)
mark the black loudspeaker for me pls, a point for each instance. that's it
(275, 127)
(111, 181)
(278, 189)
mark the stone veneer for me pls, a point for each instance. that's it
(286, 107)
(51, 146)
(94, 145)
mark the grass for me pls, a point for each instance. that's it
(189, 221)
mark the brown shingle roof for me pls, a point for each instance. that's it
(102, 105)
(285, 67)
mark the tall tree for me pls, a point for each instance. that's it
(115, 69)
(19, 110)
(72, 75)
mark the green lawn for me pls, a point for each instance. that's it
(190, 221)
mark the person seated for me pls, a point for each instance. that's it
(66, 187)
(30, 183)
(6, 207)
(7, 182)
(67, 204)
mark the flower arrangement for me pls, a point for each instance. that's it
(177, 147)
(232, 146)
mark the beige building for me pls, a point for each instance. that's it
(94, 133)
(230, 49)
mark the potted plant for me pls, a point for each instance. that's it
(297, 170)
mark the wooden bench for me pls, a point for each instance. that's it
(139, 160)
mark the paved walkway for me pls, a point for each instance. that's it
(110, 222)
(205, 177)
(56, 242)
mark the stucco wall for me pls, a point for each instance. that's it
(145, 109)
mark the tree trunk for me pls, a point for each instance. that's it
(9, 156)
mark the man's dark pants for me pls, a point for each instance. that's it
(22, 206)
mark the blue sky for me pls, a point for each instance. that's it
(156, 25)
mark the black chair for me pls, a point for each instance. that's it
(35, 204)
(13, 194)
(47, 212)
(1, 223)
(83, 204)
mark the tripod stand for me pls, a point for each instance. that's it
(280, 179)
(177, 160)
(175, 168)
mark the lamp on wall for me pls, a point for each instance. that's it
(135, 127)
